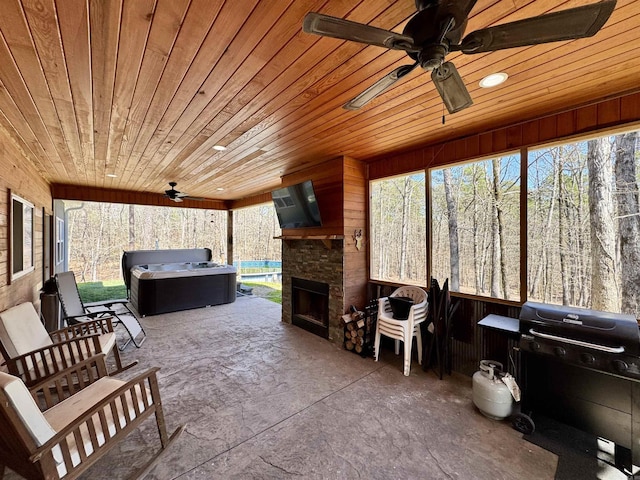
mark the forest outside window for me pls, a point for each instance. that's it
(475, 227)
(398, 229)
(584, 224)
(22, 243)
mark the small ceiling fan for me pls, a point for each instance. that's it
(438, 28)
(177, 196)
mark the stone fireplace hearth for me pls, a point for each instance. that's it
(312, 260)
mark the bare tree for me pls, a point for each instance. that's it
(132, 227)
(452, 214)
(628, 221)
(604, 290)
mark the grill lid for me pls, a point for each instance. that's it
(592, 326)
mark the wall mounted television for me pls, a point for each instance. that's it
(296, 206)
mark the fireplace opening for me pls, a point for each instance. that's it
(310, 306)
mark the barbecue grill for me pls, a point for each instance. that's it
(582, 367)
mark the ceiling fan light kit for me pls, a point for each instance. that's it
(493, 80)
(438, 28)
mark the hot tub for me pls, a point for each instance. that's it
(170, 287)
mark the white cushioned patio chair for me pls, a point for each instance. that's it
(33, 354)
(75, 311)
(44, 436)
(402, 330)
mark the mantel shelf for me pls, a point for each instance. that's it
(326, 239)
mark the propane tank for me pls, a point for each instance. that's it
(490, 394)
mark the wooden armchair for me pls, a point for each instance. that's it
(33, 354)
(85, 414)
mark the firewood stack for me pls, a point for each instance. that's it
(359, 329)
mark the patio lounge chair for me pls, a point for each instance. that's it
(75, 311)
(34, 354)
(60, 436)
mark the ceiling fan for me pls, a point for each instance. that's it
(438, 28)
(177, 196)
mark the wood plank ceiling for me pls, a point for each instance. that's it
(144, 89)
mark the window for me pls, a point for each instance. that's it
(475, 227)
(21, 237)
(254, 248)
(398, 229)
(59, 240)
(584, 224)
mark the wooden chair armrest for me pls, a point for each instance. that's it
(83, 429)
(56, 388)
(98, 325)
(37, 365)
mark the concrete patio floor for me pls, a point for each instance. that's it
(262, 399)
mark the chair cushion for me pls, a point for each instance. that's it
(62, 414)
(21, 330)
(23, 404)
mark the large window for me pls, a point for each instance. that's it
(398, 229)
(475, 224)
(21, 237)
(582, 230)
(584, 224)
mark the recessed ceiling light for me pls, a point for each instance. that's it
(111, 175)
(220, 148)
(493, 80)
(219, 189)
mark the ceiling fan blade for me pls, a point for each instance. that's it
(334, 27)
(380, 86)
(176, 199)
(451, 88)
(466, 6)
(579, 22)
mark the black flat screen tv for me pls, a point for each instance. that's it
(296, 206)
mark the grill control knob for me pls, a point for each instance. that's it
(559, 351)
(587, 358)
(535, 346)
(620, 366)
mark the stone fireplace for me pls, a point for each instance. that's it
(310, 305)
(312, 286)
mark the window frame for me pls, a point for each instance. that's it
(388, 281)
(18, 243)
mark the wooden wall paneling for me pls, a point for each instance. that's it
(356, 272)
(513, 137)
(19, 176)
(566, 124)
(530, 132)
(581, 120)
(499, 140)
(547, 128)
(486, 143)
(630, 108)
(586, 118)
(91, 194)
(608, 111)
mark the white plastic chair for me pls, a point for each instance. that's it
(402, 330)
